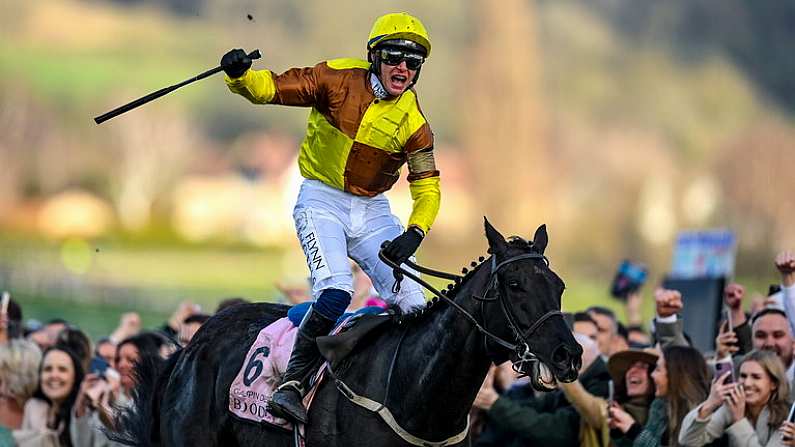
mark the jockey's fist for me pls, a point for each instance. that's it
(235, 63)
(403, 246)
(668, 302)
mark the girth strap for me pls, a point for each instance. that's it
(387, 416)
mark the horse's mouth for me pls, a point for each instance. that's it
(543, 378)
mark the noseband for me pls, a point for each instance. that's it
(523, 348)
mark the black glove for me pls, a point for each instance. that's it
(235, 63)
(403, 246)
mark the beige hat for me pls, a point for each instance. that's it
(620, 362)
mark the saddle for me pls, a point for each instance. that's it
(267, 358)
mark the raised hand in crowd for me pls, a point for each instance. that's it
(718, 394)
(618, 418)
(98, 393)
(788, 433)
(726, 343)
(667, 302)
(183, 311)
(735, 402)
(129, 325)
(487, 394)
(632, 308)
(785, 263)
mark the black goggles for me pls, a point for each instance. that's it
(391, 56)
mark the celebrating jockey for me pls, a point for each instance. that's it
(365, 123)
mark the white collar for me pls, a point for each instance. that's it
(378, 89)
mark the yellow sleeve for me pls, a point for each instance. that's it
(255, 85)
(426, 195)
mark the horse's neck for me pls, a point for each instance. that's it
(454, 361)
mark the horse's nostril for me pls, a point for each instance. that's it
(561, 355)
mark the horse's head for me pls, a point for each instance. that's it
(522, 305)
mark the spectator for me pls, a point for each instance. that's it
(681, 382)
(106, 350)
(740, 323)
(146, 345)
(585, 325)
(172, 327)
(771, 332)
(129, 325)
(637, 337)
(607, 328)
(77, 342)
(190, 326)
(749, 412)
(634, 390)
(48, 414)
(785, 263)
(46, 335)
(514, 419)
(19, 367)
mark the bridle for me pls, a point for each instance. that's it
(522, 349)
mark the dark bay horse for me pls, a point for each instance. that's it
(512, 301)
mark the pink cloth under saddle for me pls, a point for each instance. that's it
(262, 372)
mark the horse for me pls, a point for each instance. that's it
(425, 367)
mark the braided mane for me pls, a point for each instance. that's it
(454, 287)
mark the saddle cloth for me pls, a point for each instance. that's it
(267, 358)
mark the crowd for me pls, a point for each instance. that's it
(59, 388)
(639, 388)
(636, 387)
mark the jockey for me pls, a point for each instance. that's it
(365, 123)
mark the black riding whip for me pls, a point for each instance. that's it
(163, 91)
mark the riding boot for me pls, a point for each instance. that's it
(287, 401)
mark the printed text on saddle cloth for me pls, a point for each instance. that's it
(261, 373)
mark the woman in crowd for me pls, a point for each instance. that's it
(19, 367)
(681, 381)
(138, 348)
(749, 412)
(102, 395)
(48, 414)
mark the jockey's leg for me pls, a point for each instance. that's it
(321, 231)
(287, 401)
(364, 250)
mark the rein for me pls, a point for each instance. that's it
(524, 348)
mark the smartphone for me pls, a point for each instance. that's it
(790, 418)
(729, 319)
(98, 366)
(722, 366)
(611, 392)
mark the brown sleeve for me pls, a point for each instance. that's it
(421, 139)
(299, 87)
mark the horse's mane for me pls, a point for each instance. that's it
(453, 288)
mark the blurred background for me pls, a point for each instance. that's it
(618, 123)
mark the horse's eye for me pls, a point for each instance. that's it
(514, 284)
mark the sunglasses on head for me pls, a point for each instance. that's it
(391, 56)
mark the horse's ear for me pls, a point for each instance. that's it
(496, 240)
(541, 239)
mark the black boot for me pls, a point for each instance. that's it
(287, 401)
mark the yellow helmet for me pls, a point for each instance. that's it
(399, 25)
